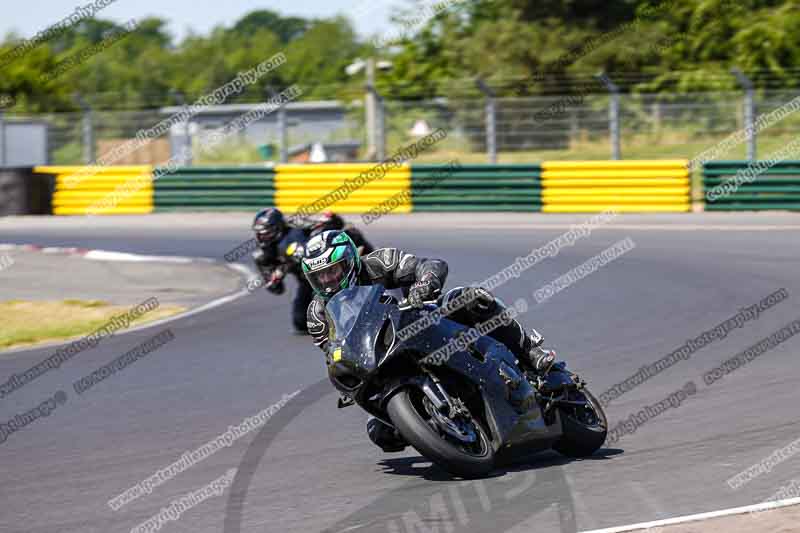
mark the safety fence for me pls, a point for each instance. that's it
(751, 185)
(626, 186)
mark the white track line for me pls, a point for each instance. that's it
(105, 255)
(702, 516)
(636, 227)
(239, 268)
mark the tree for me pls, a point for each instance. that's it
(286, 28)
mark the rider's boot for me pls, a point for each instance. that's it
(534, 357)
(526, 346)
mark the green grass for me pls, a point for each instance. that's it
(667, 146)
(229, 153)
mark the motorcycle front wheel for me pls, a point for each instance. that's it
(462, 447)
(585, 426)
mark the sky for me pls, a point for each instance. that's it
(370, 17)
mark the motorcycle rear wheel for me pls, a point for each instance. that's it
(409, 416)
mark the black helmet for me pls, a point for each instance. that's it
(331, 262)
(269, 225)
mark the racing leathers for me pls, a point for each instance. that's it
(394, 268)
(277, 259)
(422, 279)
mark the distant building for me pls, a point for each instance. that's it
(323, 121)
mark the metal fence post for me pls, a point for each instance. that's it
(283, 134)
(185, 155)
(491, 121)
(88, 136)
(380, 123)
(749, 111)
(187, 139)
(657, 115)
(283, 125)
(2, 140)
(87, 130)
(574, 127)
(613, 116)
(371, 111)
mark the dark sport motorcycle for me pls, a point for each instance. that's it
(467, 413)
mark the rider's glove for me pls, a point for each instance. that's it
(298, 252)
(275, 283)
(424, 289)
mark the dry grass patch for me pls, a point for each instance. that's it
(25, 322)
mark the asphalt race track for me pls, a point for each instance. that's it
(311, 468)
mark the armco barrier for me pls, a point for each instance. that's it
(307, 186)
(775, 187)
(553, 186)
(512, 187)
(626, 186)
(81, 190)
(215, 189)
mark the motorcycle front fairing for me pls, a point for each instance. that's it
(356, 317)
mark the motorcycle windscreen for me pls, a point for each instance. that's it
(345, 308)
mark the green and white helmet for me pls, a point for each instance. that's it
(331, 262)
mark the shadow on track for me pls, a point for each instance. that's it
(512, 495)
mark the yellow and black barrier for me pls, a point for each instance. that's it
(88, 190)
(751, 185)
(341, 187)
(625, 186)
(550, 187)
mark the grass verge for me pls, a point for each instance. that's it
(24, 323)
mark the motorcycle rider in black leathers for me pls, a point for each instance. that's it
(280, 248)
(331, 263)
